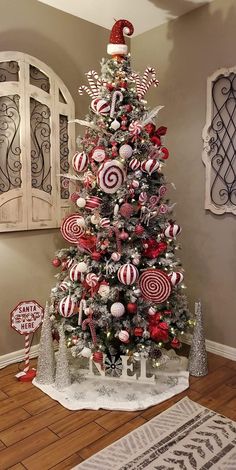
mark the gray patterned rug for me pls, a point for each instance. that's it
(185, 437)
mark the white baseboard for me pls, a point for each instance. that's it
(211, 346)
(215, 348)
(17, 356)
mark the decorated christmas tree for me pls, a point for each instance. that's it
(120, 286)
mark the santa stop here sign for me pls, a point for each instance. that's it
(26, 317)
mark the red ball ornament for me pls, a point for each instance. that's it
(96, 255)
(109, 86)
(128, 108)
(123, 84)
(123, 235)
(56, 262)
(150, 128)
(98, 357)
(126, 210)
(175, 343)
(139, 230)
(131, 308)
(138, 331)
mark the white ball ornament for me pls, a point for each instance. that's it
(81, 202)
(125, 151)
(123, 336)
(115, 125)
(82, 267)
(151, 311)
(80, 221)
(94, 219)
(117, 309)
(86, 352)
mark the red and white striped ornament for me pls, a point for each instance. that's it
(64, 286)
(175, 278)
(150, 166)
(70, 230)
(100, 106)
(93, 202)
(143, 198)
(155, 285)
(172, 230)
(75, 274)
(123, 336)
(89, 179)
(80, 162)
(91, 279)
(128, 274)
(110, 176)
(105, 222)
(125, 151)
(98, 154)
(67, 306)
(115, 256)
(134, 164)
(135, 128)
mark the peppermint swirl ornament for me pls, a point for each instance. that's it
(70, 230)
(155, 285)
(110, 176)
(127, 274)
(98, 154)
(92, 279)
(67, 306)
(135, 128)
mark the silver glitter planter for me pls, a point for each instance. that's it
(62, 379)
(46, 358)
(198, 355)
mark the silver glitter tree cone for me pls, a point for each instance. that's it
(46, 358)
(62, 379)
(198, 355)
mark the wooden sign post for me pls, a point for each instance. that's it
(26, 318)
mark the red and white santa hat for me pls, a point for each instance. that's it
(117, 44)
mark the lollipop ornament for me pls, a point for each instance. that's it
(117, 47)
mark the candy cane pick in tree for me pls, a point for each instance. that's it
(117, 97)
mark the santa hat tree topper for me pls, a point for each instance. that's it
(117, 44)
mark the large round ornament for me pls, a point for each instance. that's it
(135, 128)
(80, 162)
(117, 309)
(82, 267)
(172, 230)
(100, 106)
(64, 286)
(110, 176)
(70, 230)
(75, 274)
(98, 154)
(67, 306)
(125, 151)
(155, 285)
(93, 202)
(150, 166)
(115, 256)
(175, 278)
(134, 164)
(127, 274)
(105, 222)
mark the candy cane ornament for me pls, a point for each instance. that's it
(89, 321)
(117, 97)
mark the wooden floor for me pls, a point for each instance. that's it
(37, 433)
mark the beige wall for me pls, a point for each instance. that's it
(185, 52)
(71, 47)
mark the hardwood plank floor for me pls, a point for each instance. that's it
(36, 433)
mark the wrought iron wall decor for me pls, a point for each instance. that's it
(35, 144)
(219, 136)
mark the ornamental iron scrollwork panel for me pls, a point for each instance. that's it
(220, 145)
(10, 152)
(9, 71)
(64, 153)
(40, 146)
(39, 79)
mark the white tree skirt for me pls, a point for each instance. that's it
(114, 394)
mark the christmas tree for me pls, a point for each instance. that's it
(120, 287)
